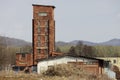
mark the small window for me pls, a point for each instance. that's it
(39, 51)
(114, 61)
(23, 55)
(46, 24)
(46, 51)
(42, 14)
(38, 29)
(46, 30)
(46, 44)
(38, 44)
(38, 23)
(46, 38)
(38, 38)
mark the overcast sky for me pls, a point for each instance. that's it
(90, 20)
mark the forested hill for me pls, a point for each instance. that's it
(19, 43)
(12, 42)
(112, 42)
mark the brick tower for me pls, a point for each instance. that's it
(43, 31)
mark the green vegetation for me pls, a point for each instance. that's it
(8, 53)
(91, 51)
(64, 48)
(107, 51)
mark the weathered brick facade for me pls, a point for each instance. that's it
(43, 32)
(24, 59)
(43, 26)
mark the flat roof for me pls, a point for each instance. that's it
(43, 5)
(23, 53)
(57, 57)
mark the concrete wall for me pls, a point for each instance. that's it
(110, 73)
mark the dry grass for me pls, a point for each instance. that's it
(71, 72)
(59, 72)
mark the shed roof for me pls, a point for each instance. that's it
(23, 53)
(58, 57)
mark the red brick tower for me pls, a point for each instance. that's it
(43, 31)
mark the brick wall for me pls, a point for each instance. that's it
(24, 59)
(43, 31)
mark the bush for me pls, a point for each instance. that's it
(72, 72)
(63, 70)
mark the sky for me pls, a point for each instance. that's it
(89, 20)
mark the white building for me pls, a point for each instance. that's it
(91, 64)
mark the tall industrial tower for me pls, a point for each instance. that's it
(43, 31)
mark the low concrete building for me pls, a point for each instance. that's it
(91, 65)
(113, 60)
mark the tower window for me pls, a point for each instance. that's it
(38, 44)
(46, 30)
(42, 14)
(46, 24)
(23, 55)
(46, 51)
(46, 38)
(38, 38)
(46, 44)
(39, 51)
(38, 29)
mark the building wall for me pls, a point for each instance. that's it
(110, 73)
(43, 31)
(89, 65)
(24, 59)
(113, 60)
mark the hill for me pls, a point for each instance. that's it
(19, 43)
(13, 42)
(112, 42)
(65, 46)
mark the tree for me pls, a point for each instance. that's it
(82, 50)
(79, 48)
(26, 48)
(72, 51)
(88, 51)
(7, 54)
(58, 50)
(3, 55)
